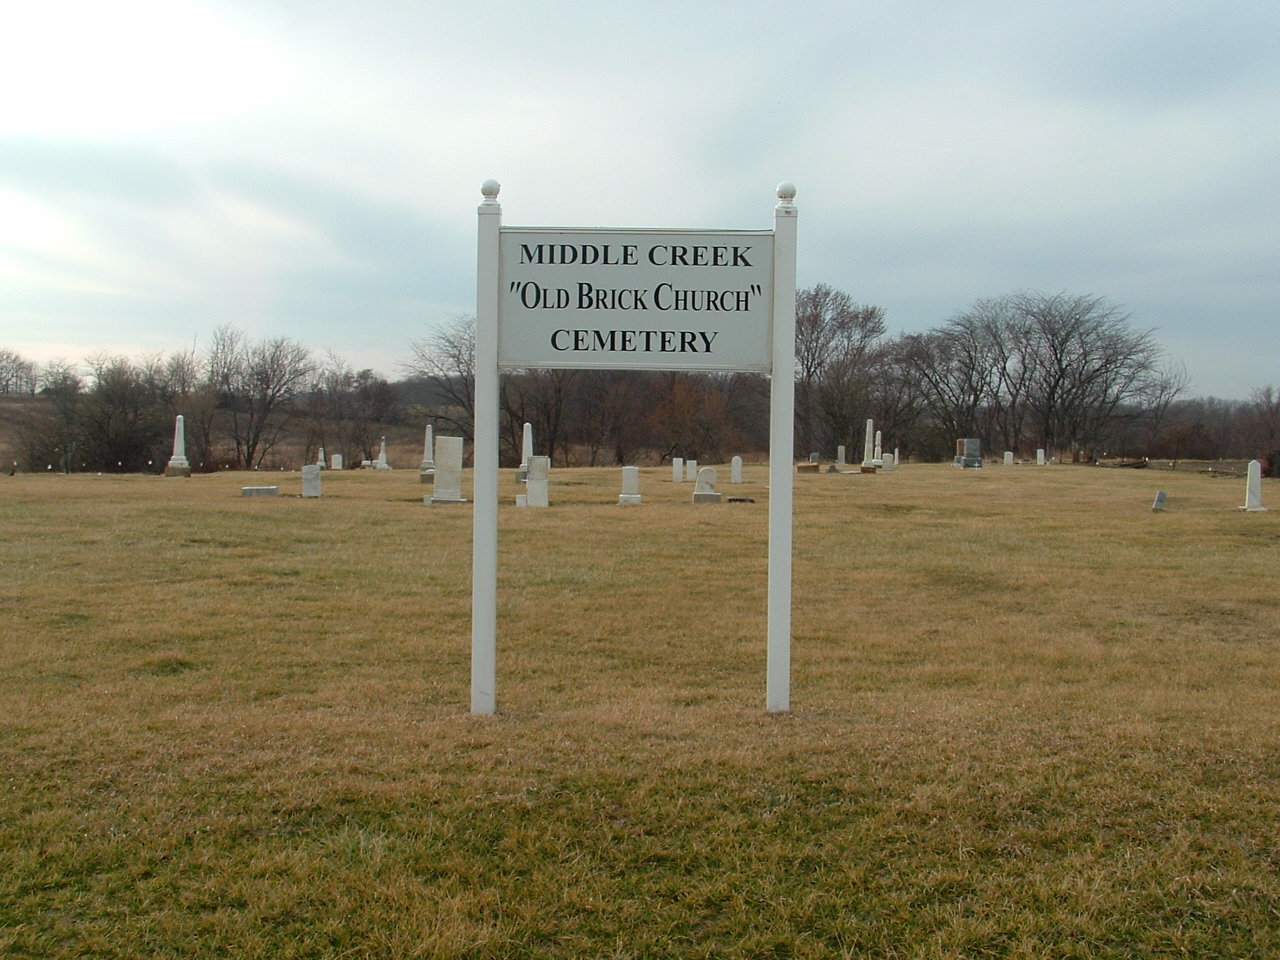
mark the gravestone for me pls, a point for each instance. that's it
(877, 458)
(869, 449)
(1008, 458)
(320, 459)
(1040, 461)
(1161, 499)
(448, 478)
(705, 491)
(335, 462)
(630, 485)
(259, 491)
(889, 461)
(1253, 488)
(968, 454)
(840, 456)
(814, 457)
(427, 469)
(311, 480)
(178, 465)
(539, 481)
(735, 470)
(807, 466)
(677, 469)
(526, 451)
(381, 462)
(691, 469)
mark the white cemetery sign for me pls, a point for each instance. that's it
(633, 299)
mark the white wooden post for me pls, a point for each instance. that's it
(782, 403)
(484, 548)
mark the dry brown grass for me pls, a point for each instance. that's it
(1032, 719)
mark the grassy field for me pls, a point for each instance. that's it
(1032, 718)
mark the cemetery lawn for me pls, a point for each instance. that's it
(1032, 718)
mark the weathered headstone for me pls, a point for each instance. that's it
(179, 465)
(539, 482)
(630, 485)
(735, 470)
(448, 480)
(526, 451)
(1253, 488)
(968, 454)
(677, 469)
(381, 462)
(311, 480)
(1040, 461)
(840, 456)
(888, 461)
(877, 458)
(427, 469)
(705, 491)
(335, 462)
(869, 449)
(259, 491)
(691, 469)
(1008, 458)
(1161, 499)
(814, 457)
(320, 459)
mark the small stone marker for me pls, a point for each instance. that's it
(1040, 462)
(1253, 488)
(311, 480)
(448, 477)
(522, 500)
(179, 465)
(735, 470)
(259, 491)
(890, 461)
(630, 485)
(840, 456)
(1161, 499)
(677, 469)
(1008, 458)
(814, 457)
(539, 481)
(691, 469)
(335, 462)
(705, 491)
(427, 469)
(526, 451)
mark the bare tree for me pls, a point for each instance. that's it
(447, 360)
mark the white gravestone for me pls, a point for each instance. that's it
(526, 451)
(311, 480)
(178, 465)
(381, 462)
(705, 491)
(427, 469)
(335, 462)
(878, 459)
(1253, 488)
(735, 470)
(840, 456)
(1040, 462)
(677, 469)
(869, 449)
(691, 469)
(259, 491)
(890, 461)
(630, 485)
(320, 459)
(448, 487)
(1008, 458)
(539, 480)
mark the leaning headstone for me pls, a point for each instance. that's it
(1040, 457)
(539, 481)
(526, 451)
(1008, 458)
(381, 462)
(448, 478)
(311, 480)
(1253, 489)
(677, 469)
(705, 491)
(1161, 499)
(259, 491)
(427, 468)
(735, 470)
(691, 469)
(179, 465)
(335, 462)
(630, 485)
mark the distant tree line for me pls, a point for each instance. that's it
(1070, 374)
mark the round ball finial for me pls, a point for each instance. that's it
(786, 191)
(490, 189)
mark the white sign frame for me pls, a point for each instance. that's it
(764, 343)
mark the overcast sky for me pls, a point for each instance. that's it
(311, 168)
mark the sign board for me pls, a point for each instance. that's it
(635, 299)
